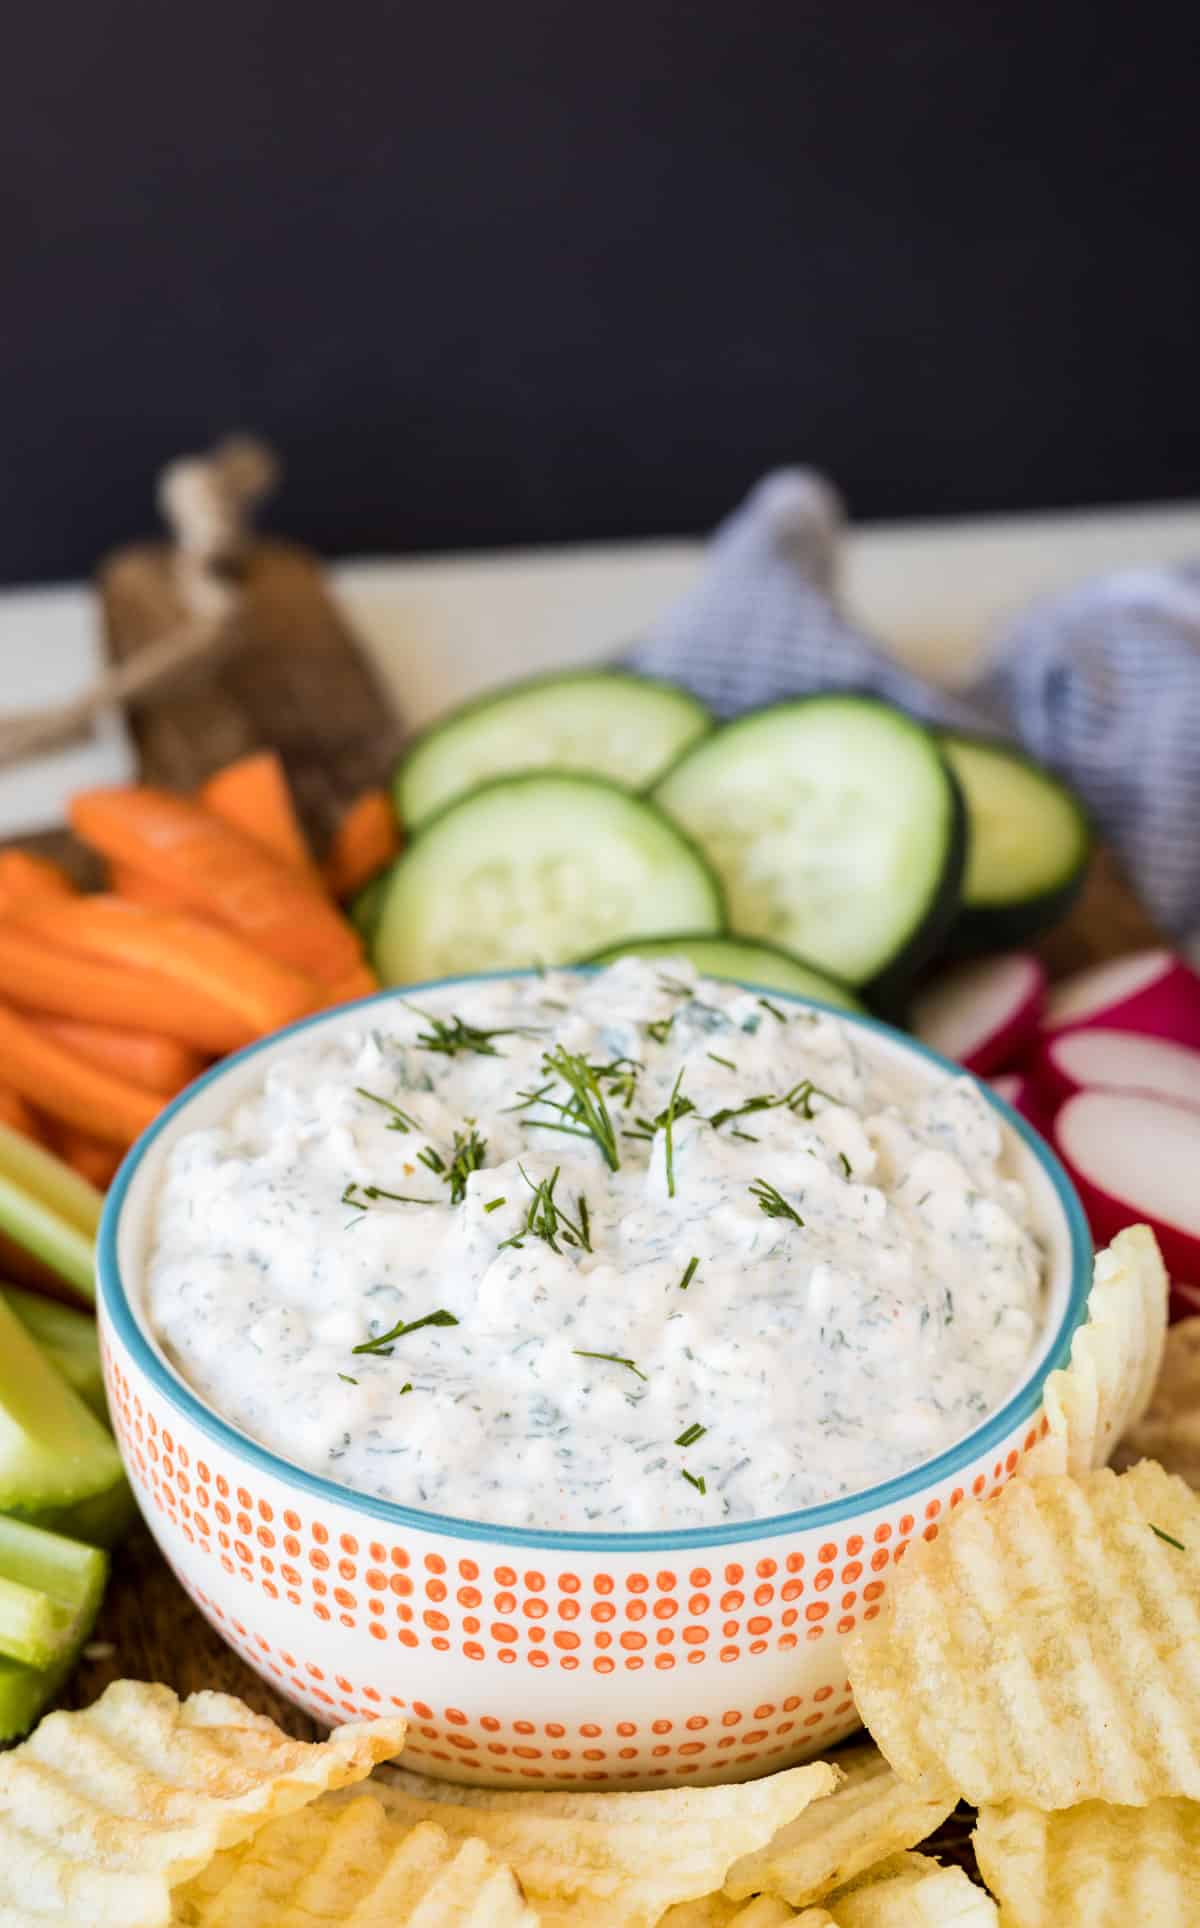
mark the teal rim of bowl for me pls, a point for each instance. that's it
(871, 1499)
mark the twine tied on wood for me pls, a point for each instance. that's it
(208, 502)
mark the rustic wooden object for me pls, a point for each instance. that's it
(295, 680)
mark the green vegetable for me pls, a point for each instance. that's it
(69, 1340)
(48, 1211)
(53, 1451)
(50, 1588)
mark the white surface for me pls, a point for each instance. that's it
(443, 627)
(50, 651)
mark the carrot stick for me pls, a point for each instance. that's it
(90, 1157)
(36, 975)
(15, 1112)
(222, 873)
(180, 947)
(23, 875)
(252, 794)
(78, 1094)
(365, 841)
(142, 1058)
(357, 983)
(140, 889)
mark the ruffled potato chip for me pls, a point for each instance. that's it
(1169, 1429)
(1115, 1359)
(356, 1866)
(103, 1811)
(1045, 1648)
(872, 1815)
(905, 1891)
(717, 1911)
(1093, 1866)
(613, 1860)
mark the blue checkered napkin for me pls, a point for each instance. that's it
(1102, 684)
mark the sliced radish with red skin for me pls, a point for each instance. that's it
(983, 1015)
(1096, 1059)
(1026, 1098)
(1152, 993)
(1136, 1160)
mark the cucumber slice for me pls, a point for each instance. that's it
(538, 869)
(49, 1587)
(69, 1340)
(837, 829)
(607, 723)
(1028, 844)
(48, 1212)
(741, 962)
(53, 1451)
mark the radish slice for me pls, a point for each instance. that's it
(1135, 1160)
(1153, 993)
(1026, 1098)
(1098, 1059)
(983, 1014)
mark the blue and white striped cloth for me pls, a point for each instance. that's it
(1102, 684)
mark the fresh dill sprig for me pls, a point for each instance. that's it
(586, 1114)
(360, 1196)
(1168, 1537)
(799, 1098)
(406, 1387)
(613, 1358)
(689, 1273)
(546, 1219)
(399, 1120)
(431, 1159)
(470, 1151)
(717, 1059)
(773, 1203)
(773, 1009)
(660, 1028)
(676, 1107)
(695, 1479)
(453, 1034)
(845, 1164)
(347, 1378)
(691, 1434)
(383, 1343)
(494, 1204)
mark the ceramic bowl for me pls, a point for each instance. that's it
(529, 1657)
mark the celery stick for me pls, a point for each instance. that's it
(29, 1625)
(37, 1229)
(26, 1691)
(49, 1588)
(50, 1182)
(100, 1520)
(69, 1339)
(53, 1451)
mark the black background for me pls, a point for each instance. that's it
(492, 273)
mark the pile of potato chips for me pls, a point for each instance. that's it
(1040, 1658)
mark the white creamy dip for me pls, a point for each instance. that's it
(806, 1275)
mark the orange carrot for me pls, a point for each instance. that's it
(221, 873)
(357, 983)
(367, 839)
(140, 889)
(24, 876)
(78, 1094)
(143, 1058)
(253, 795)
(15, 1112)
(38, 976)
(90, 1157)
(179, 947)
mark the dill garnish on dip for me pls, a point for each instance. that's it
(565, 1239)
